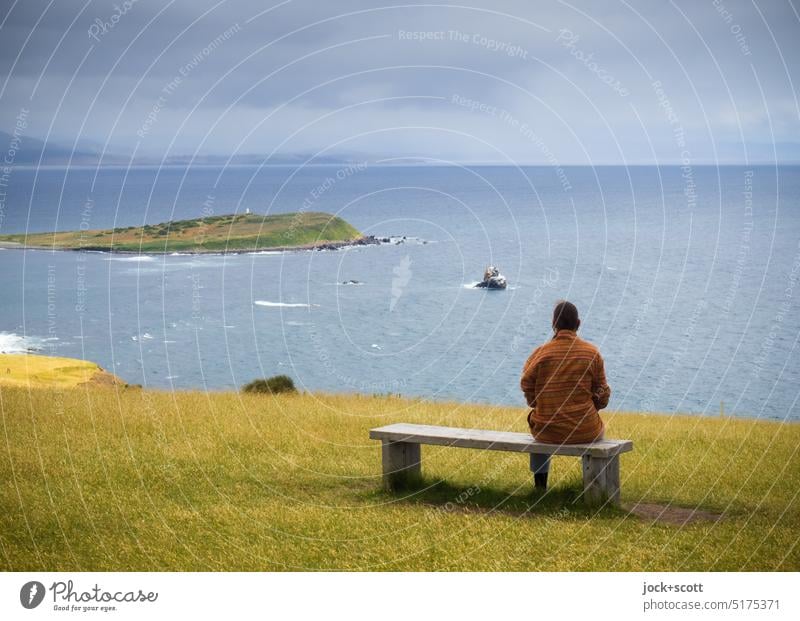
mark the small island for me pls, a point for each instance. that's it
(233, 233)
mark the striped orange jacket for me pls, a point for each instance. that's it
(565, 385)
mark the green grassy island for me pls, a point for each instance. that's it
(228, 233)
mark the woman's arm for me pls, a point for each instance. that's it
(600, 389)
(528, 380)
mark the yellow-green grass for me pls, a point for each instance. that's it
(33, 371)
(244, 232)
(121, 479)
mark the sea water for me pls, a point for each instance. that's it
(687, 280)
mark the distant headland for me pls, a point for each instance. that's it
(235, 233)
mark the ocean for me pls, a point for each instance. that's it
(686, 278)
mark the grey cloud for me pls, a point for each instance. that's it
(583, 91)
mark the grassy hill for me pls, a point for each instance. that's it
(244, 232)
(32, 371)
(122, 479)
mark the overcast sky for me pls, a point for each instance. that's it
(487, 81)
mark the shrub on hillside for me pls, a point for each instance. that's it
(272, 385)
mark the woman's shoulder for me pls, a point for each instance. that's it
(587, 346)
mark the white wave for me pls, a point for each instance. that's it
(284, 304)
(11, 343)
(376, 346)
(145, 258)
(398, 240)
(145, 337)
(295, 324)
(472, 285)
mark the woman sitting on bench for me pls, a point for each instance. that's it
(564, 383)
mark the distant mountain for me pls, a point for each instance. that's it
(279, 159)
(34, 151)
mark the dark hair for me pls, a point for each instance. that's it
(565, 316)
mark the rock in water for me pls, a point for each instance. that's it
(492, 279)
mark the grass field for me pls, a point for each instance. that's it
(126, 479)
(243, 232)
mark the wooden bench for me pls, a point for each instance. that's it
(402, 456)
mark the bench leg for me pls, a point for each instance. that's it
(601, 480)
(401, 464)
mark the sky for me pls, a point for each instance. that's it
(517, 82)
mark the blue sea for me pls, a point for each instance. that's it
(687, 280)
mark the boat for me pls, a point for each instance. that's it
(492, 279)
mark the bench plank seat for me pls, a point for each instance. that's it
(494, 440)
(402, 457)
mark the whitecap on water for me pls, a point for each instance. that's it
(472, 285)
(397, 241)
(11, 343)
(284, 304)
(135, 258)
